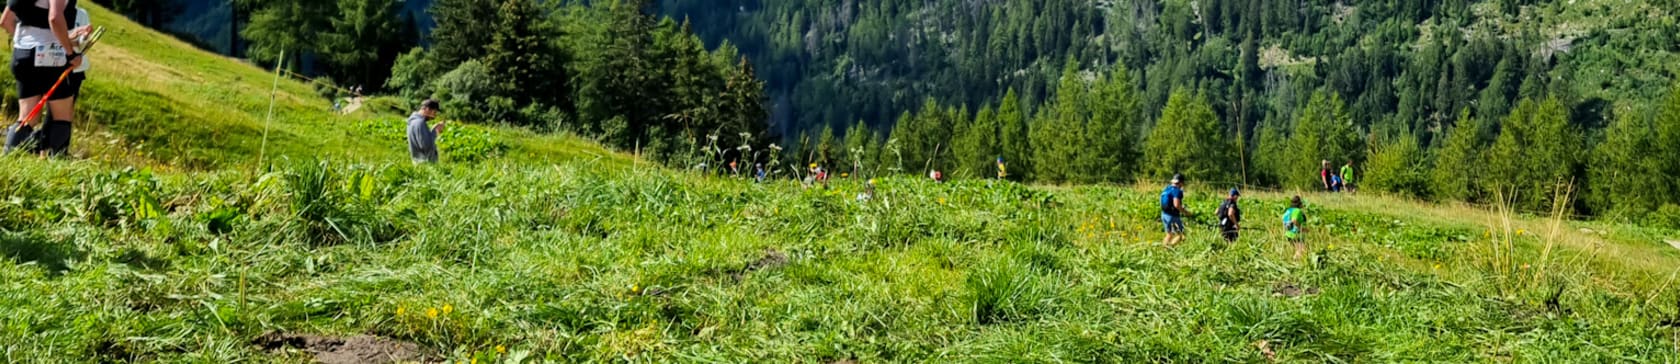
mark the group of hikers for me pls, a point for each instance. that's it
(1229, 215)
(48, 37)
(1336, 180)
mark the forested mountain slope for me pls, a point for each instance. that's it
(834, 62)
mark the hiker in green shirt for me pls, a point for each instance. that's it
(1293, 218)
(1347, 177)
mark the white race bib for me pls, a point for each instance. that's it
(50, 56)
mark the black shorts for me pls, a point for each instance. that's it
(35, 81)
(72, 86)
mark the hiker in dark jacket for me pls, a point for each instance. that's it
(1230, 216)
(422, 138)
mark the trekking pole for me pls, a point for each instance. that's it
(92, 39)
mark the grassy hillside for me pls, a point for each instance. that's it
(548, 248)
(154, 100)
(579, 263)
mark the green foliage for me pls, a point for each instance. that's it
(1625, 182)
(1459, 167)
(977, 148)
(356, 40)
(1323, 132)
(1058, 132)
(967, 271)
(1188, 140)
(1536, 153)
(1110, 136)
(1399, 167)
(1014, 140)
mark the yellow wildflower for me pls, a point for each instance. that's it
(1437, 266)
(431, 313)
(501, 349)
(1519, 231)
(447, 309)
(941, 200)
(401, 310)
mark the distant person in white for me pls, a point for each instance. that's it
(41, 29)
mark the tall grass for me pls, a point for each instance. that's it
(575, 262)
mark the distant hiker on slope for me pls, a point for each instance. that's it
(1293, 219)
(1002, 171)
(41, 33)
(758, 173)
(1230, 216)
(1172, 211)
(868, 191)
(422, 138)
(1324, 175)
(1347, 177)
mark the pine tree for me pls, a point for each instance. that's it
(1534, 154)
(1666, 159)
(1324, 132)
(1398, 167)
(1110, 140)
(1623, 184)
(290, 27)
(1014, 138)
(1188, 140)
(1459, 162)
(827, 148)
(520, 57)
(977, 147)
(1059, 132)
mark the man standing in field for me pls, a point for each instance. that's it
(1172, 211)
(422, 138)
(1293, 218)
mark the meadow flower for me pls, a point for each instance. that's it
(501, 349)
(401, 310)
(1519, 231)
(431, 313)
(447, 309)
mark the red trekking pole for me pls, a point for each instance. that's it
(35, 112)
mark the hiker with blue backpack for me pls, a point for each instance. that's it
(1293, 219)
(1172, 211)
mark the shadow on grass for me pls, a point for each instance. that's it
(27, 247)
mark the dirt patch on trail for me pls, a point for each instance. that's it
(345, 350)
(1292, 291)
(772, 258)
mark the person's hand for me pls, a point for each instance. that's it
(76, 63)
(81, 32)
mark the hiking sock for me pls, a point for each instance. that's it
(57, 139)
(18, 135)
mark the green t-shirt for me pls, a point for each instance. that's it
(1292, 220)
(1347, 174)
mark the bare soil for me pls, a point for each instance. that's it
(345, 350)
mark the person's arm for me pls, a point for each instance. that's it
(439, 128)
(9, 21)
(61, 29)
